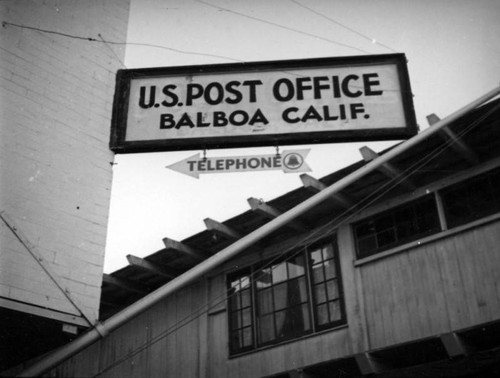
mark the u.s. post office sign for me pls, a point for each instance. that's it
(308, 101)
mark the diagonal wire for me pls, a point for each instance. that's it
(91, 39)
(372, 40)
(380, 192)
(283, 27)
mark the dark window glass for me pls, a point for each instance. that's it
(280, 303)
(273, 303)
(325, 286)
(397, 226)
(240, 313)
(472, 199)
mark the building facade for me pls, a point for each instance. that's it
(396, 275)
(57, 85)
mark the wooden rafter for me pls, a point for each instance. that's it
(455, 346)
(458, 145)
(221, 229)
(368, 364)
(300, 373)
(153, 268)
(124, 284)
(270, 212)
(315, 185)
(387, 169)
(184, 248)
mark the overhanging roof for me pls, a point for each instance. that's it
(470, 140)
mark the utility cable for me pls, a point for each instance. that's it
(283, 27)
(372, 40)
(380, 192)
(91, 39)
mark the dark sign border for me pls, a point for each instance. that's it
(122, 91)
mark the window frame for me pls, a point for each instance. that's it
(392, 214)
(438, 190)
(453, 220)
(310, 301)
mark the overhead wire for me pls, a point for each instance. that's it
(372, 40)
(320, 232)
(91, 39)
(112, 51)
(181, 323)
(282, 26)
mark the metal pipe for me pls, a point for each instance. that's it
(229, 252)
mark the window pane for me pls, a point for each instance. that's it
(386, 237)
(330, 269)
(333, 290)
(472, 199)
(320, 293)
(384, 222)
(322, 313)
(235, 320)
(247, 337)
(397, 226)
(245, 298)
(296, 267)
(245, 282)
(335, 313)
(263, 278)
(279, 273)
(297, 291)
(292, 322)
(328, 252)
(305, 315)
(280, 296)
(265, 301)
(367, 243)
(266, 328)
(234, 301)
(318, 275)
(246, 317)
(316, 256)
(236, 340)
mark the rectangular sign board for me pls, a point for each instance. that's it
(324, 100)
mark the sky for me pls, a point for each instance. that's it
(453, 57)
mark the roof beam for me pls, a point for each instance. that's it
(387, 168)
(455, 346)
(153, 268)
(315, 185)
(124, 284)
(184, 248)
(458, 145)
(270, 212)
(300, 373)
(221, 229)
(368, 364)
(109, 325)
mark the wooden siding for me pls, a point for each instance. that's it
(448, 284)
(445, 285)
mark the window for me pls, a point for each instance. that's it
(328, 307)
(472, 199)
(397, 226)
(463, 202)
(285, 299)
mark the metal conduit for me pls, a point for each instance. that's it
(103, 329)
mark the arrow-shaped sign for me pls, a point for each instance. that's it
(288, 161)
